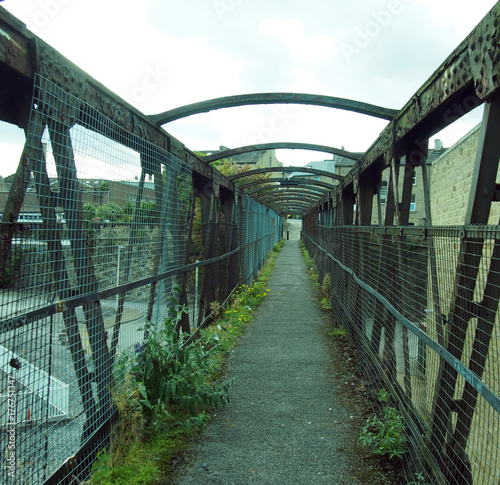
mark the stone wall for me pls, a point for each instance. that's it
(450, 180)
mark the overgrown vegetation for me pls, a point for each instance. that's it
(168, 387)
(385, 435)
(173, 376)
(325, 286)
(338, 332)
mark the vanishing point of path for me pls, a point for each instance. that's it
(288, 421)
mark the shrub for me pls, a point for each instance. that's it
(386, 435)
(173, 376)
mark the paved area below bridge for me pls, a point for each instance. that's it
(292, 418)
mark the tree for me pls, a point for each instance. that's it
(109, 213)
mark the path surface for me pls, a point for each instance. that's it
(287, 422)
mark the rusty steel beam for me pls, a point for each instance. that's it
(16, 72)
(273, 98)
(292, 209)
(296, 203)
(300, 181)
(23, 54)
(466, 79)
(271, 201)
(279, 146)
(288, 203)
(261, 171)
(290, 190)
(274, 198)
(277, 191)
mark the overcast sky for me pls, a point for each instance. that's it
(161, 54)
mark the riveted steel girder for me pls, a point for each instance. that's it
(289, 190)
(297, 181)
(281, 145)
(287, 193)
(289, 200)
(297, 202)
(273, 98)
(286, 208)
(261, 171)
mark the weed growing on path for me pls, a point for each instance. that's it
(338, 332)
(325, 286)
(385, 435)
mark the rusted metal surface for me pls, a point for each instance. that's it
(27, 54)
(285, 208)
(14, 47)
(262, 171)
(485, 56)
(273, 98)
(16, 70)
(278, 146)
(273, 192)
(291, 192)
(297, 181)
(460, 84)
(274, 199)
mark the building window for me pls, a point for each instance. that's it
(414, 177)
(413, 205)
(316, 178)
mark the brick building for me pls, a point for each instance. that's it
(417, 209)
(450, 180)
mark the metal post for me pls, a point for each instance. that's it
(196, 296)
(120, 247)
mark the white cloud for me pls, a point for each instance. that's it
(291, 33)
(307, 81)
(462, 15)
(161, 55)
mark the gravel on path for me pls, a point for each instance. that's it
(288, 421)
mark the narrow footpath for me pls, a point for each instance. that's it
(288, 421)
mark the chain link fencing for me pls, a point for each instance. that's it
(421, 308)
(108, 230)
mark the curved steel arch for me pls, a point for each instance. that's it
(304, 208)
(297, 181)
(287, 208)
(260, 171)
(273, 98)
(297, 200)
(291, 201)
(283, 195)
(280, 145)
(290, 190)
(277, 191)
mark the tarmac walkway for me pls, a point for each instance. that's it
(289, 420)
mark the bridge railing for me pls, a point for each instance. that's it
(395, 290)
(122, 227)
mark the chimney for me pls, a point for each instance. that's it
(438, 145)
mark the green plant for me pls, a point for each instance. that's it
(173, 377)
(337, 332)
(419, 479)
(385, 436)
(277, 248)
(110, 212)
(101, 466)
(326, 286)
(383, 396)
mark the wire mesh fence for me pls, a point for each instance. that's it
(421, 307)
(106, 230)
